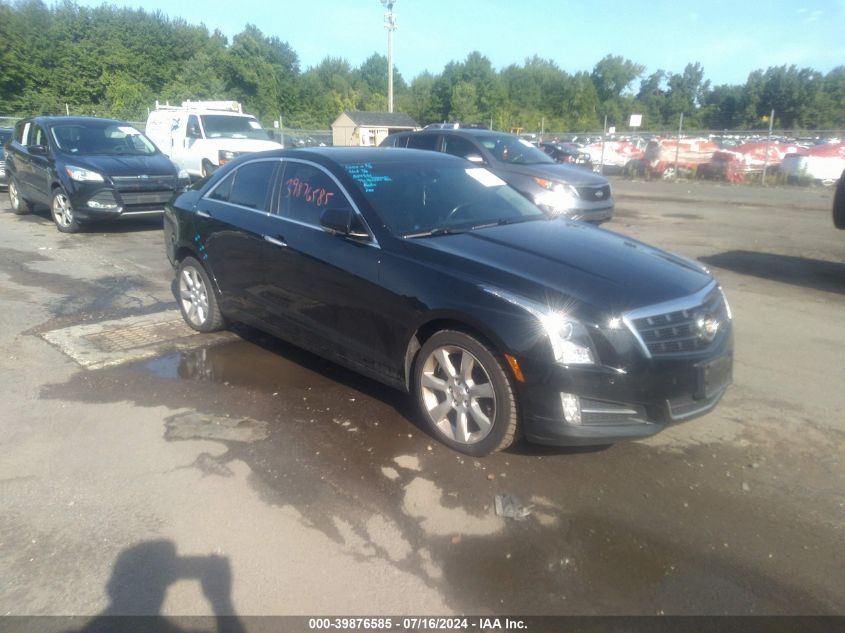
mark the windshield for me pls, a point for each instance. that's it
(87, 139)
(227, 126)
(512, 149)
(414, 198)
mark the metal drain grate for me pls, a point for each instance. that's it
(97, 345)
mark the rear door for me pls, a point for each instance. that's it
(232, 222)
(41, 164)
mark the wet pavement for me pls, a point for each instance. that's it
(732, 513)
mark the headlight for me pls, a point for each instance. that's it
(570, 342)
(184, 175)
(80, 174)
(557, 197)
(225, 155)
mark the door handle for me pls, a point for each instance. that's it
(273, 240)
(203, 214)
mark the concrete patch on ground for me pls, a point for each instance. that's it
(190, 425)
(108, 343)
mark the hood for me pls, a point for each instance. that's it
(155, 165)
(603, 272)
(556, 171)
(241, 144)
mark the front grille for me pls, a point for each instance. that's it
(144, 183)
(683, 331)
(134, 198)
(594, 194)
(2, 167)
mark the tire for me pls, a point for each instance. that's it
(207, 168)
(19, 205)
(197, 299)
(839, 204)
(464, 394)
(63, 214)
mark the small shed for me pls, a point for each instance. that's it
(362, 129)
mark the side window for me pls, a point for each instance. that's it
(37, 136)
(193, 127)
(458, 146)
(21, 132)
(247, 186)
(423, 141)
(221, 192)
(252, 182)
(395, 141)
(306, 192)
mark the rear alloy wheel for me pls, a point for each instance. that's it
(19, 205)
(464, 394)
(63, 214)
(197, 300)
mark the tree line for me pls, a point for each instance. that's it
(117, 62)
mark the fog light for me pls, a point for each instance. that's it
(571, 408)
(96, 204)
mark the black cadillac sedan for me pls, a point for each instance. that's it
(430, 274)
(88, 169)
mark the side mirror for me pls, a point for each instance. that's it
(341, 221)
(37, 150)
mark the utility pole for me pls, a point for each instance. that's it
(390, 25)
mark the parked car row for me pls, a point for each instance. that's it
(453, 271)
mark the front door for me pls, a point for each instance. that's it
(327, 285)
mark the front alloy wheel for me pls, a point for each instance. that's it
(464, 394)
(197, 300)
(63, 214)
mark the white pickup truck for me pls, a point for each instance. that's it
(199, 136)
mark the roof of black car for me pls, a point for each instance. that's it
(81, 120)
(464, 131)
(363, 154)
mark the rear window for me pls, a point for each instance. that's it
(423, 141)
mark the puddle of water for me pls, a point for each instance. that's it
(237, 363)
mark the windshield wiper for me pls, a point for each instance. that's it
(516, 220)
(435, 232)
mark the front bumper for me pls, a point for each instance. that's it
(107, 203)
(618, 405)
(591, 214)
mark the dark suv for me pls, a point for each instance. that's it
(5, 135)
(556, 188)
(88, 169)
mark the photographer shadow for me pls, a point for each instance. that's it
(138, 585)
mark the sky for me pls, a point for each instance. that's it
(729, 39)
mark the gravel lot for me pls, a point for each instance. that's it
(241, 475)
